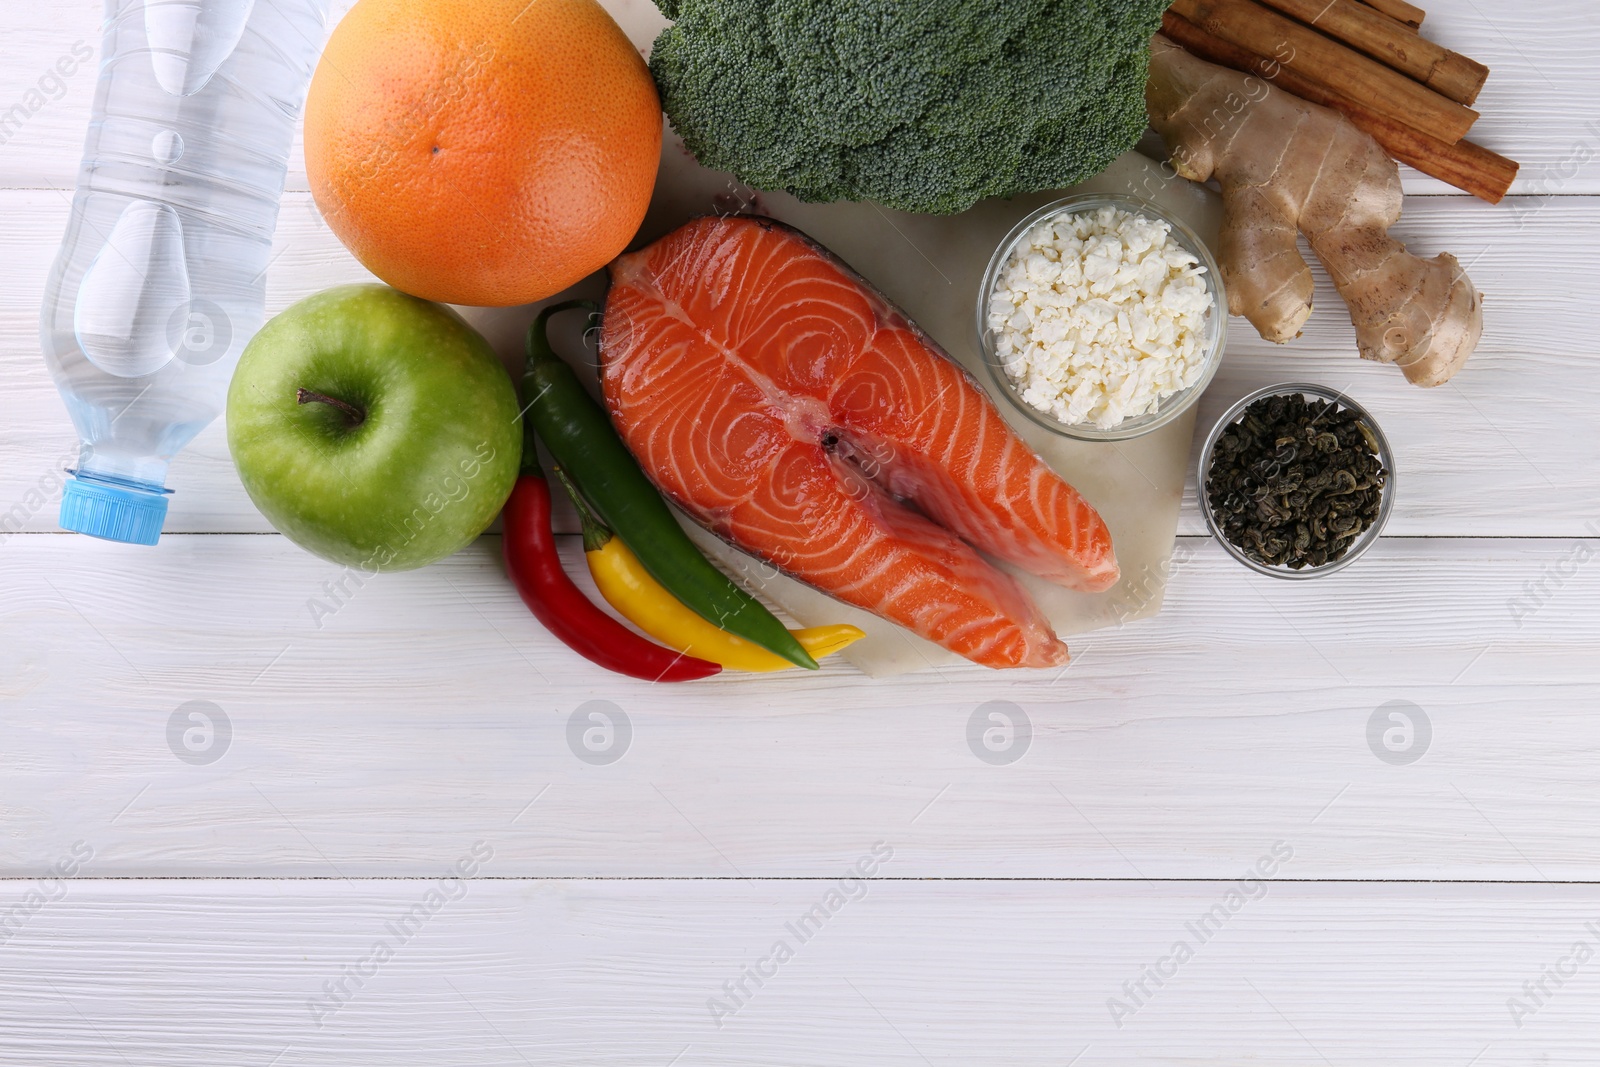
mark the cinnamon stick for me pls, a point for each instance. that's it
(1360, 78)
(1467, 166)
(1400, 11)
(1392, 44)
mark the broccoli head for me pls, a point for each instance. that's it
(922, 105)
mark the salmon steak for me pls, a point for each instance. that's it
(789, 408)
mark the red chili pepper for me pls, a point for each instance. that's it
(535, 569)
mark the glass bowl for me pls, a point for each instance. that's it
(1375, 437)
(1170, 407)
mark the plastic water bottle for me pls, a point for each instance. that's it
(160, 278)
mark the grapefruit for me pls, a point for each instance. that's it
(484, 152)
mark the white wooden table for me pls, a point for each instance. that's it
(230, 908)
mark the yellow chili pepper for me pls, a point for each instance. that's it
(646, 603)
(628, 587)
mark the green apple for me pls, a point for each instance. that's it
(374, 429)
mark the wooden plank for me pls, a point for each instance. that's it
(428, 708)
(1504, 450)
(903, 974)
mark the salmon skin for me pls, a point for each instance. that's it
(789, 408)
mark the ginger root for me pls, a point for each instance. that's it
(1285, 165)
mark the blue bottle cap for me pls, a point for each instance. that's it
(116, 511)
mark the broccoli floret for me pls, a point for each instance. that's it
(922, 105)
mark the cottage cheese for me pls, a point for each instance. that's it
(1100, 315)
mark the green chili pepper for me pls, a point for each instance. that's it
(579, 435)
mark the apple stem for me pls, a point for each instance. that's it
(357, 416)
